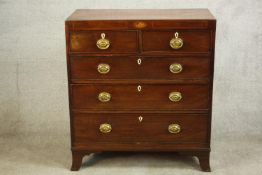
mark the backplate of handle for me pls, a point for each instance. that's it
(103, 43)
(176, 42)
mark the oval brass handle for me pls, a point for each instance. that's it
(104, 97)
(103, 43)
(105, 128)
(175, 68)
(176, 42)
(175, 96)
(103, 68)
(174, 128)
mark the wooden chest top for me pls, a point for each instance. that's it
(141, 14)
(141, 19)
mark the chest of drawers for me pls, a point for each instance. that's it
(140, 80)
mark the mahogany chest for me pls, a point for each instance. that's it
(140, 80)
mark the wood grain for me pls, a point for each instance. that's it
(127, 128)
(140, 14)
(127, 97)
(126, 67)
(121, 41)
(140, 34)
(194, 41)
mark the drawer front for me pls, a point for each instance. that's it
(173, 128)
(139, 97)
(192, 41)
(117, 41)
(125, 67)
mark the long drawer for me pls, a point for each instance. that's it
(128, 67)
(175, 128)
(139, 97)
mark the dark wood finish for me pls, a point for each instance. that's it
(132, 24)
(140, 14)
(141, 81)
(77, 157)
(149, 98)
(203, 158)
(129, 19)
(158, 40)
(124, 67)
(128, 128)
(143, 34)
(120, 41)
(142, 146)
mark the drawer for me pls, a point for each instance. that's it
(189, 41)
(173, 128)
(139, 97)
(124, 67)
(104, 41)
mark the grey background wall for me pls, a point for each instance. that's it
(33, 79)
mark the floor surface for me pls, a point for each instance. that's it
(48, 155)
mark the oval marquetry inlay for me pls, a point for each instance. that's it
(140, 24)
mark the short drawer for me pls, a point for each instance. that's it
(173, 128)
(125, 67)
(176, 41)
(139, 97)
(104, 41)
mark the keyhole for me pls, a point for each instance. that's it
(140, 118)
(139, 61)
(139, 88)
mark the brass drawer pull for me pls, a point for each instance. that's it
(103, 43)
(104, 96)
(175, 68)
(176, 42)
(105, 128)
(174, 128)
(175, 96)
(103, 68)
